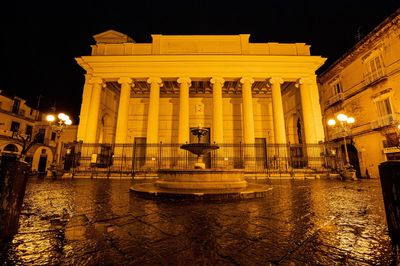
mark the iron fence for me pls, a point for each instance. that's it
(148, 158)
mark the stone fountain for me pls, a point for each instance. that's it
(199, 182)
(200, 149)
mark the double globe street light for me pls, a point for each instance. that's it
(58, 123)
(344, 124)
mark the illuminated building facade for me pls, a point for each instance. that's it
(365, 83)
(19, 125)
(247, 93)
(19, 122)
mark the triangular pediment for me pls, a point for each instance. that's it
(112, 36)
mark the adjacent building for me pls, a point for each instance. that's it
(365, 83)
(20, 124)
(244, 93)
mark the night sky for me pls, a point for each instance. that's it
(40, 40)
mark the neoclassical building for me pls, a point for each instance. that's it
(156, 92)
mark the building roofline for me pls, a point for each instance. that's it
(388, 20)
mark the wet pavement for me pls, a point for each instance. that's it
(98, 222)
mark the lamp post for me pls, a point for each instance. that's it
(58, 123)
(344, 124)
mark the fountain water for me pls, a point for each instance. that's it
(200, 182)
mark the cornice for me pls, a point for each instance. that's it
(369, 42)
(288, 67)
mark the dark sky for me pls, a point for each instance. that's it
(39, 40)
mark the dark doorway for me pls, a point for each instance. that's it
(261, 153)
(353, 158)
(42, 165)
(140, 152)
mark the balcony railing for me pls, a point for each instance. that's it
(335, 98)
(374, 76)
(6, 133)
(383, 121)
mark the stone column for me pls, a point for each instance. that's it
(152, 117)
(279, 122)
(218, 120)
(93, 116)
(83, 117)
(152, 123)
(319, 127)
(248, 123)
(183, 134)
(309, 121)
(248, 117)
(123, 110)
(307, 109)
(277, 106)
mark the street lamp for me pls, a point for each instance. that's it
(344, 123)
(58, 123)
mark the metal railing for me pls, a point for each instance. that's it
(335, 98)
(149, 158)
(383, 121)
(371, 77)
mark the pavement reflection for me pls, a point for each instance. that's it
(95, 222)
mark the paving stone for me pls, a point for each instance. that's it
(301, 222)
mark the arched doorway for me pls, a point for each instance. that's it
(10, 152)
(42, 157)
(353, 158)
(11, 148)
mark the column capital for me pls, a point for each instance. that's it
(275, 80)
(88, 77)
(155, 80)
(123, 80)
(302, 81)
(96, 80)
(217, 80)
(247, 80)
(185, 80)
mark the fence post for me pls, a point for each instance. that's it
(134, 158)
(159, 154)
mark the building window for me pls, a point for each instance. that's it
(14, 126)
(385, 113)
(15, 108)
(28, 130)
(53, 136)
(384, 108)
(40, 137)
(373, 69)
(337, 88)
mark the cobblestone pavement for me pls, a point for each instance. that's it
(99, 222)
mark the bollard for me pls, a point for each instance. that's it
(389, 173)
(13, 179)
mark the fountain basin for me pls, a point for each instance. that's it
(209, 184)
(201, 179)
(199, 148)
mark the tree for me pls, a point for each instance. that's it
(27, 141)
